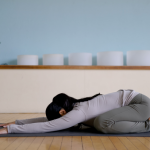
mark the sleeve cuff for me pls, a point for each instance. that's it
(8, 129)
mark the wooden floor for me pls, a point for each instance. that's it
(69, 142)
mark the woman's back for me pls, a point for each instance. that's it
(103, 103)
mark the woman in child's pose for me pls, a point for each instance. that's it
(124, 111)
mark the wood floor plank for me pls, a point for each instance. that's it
(6, 118)
(137, 143)
(15, 144)
(97, 143)
(117, 143)
(66, 143)
(56, 143)
(147, 138)
(41, 115)
(107, 143)
(45, 145)
(3, 116)
(26, 143)
(127, 143)
(36, 143)
(2, 139)
(77, 143)
(144, 141)
(13, 118)
(7, 142)
(10, 118)
(87, 143)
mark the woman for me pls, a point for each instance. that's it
(124, 111)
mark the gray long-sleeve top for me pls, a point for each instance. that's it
(83, 112)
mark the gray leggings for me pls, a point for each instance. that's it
(128, 119)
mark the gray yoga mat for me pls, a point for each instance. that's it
(85, 131)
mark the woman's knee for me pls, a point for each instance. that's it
(102, 124)
(141, 104)
(146, 100)
(146, 104)
(98, 123)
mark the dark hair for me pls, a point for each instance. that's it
(62, 100)
(52, 111)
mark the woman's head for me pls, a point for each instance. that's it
(64, 101)
(61, 104)
(52, 111)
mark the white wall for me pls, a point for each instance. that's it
(30, 91)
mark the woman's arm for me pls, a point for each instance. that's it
(25, 121)
(70, 119)
(6, 124)
(32, 120)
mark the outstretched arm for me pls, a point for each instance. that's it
(25, 121)
(70, 119)
(32, 120)
(21, 122)
(6, 124)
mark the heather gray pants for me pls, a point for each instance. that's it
(128, 119)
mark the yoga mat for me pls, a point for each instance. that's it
(85, 131)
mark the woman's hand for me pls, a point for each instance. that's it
(6, 124)
(3, 131)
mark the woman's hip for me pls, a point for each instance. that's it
(140, 99)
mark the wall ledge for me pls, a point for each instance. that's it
(76, 67)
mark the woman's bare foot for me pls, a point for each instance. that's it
(6, 124)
